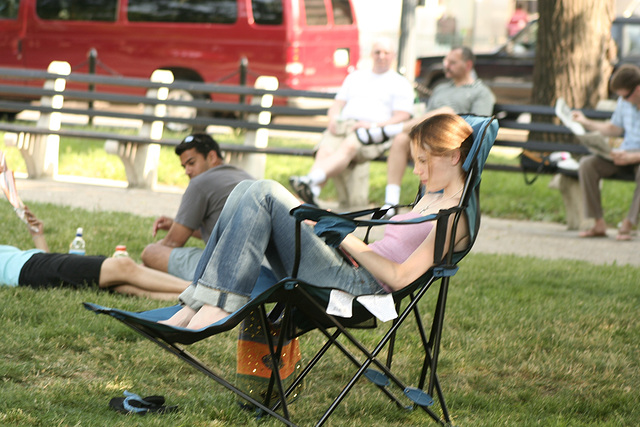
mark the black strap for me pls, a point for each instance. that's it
(441, 236)
(530, 181)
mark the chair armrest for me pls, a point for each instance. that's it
(314, 213)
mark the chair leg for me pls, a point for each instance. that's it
(275, 362)
(432, 349)
(371, 358)
(193, 361)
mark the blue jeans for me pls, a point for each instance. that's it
(255, 223)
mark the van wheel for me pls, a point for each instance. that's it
(181, 111)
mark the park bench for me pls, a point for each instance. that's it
(565, 181)
(253, 112)
(139, 153)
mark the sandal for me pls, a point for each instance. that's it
(591, 233)
(624, 235)
(625, 231)
(134, 404)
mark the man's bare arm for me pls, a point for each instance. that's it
(177, 236)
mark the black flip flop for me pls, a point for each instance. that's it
(134, 404)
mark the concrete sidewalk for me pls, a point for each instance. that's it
(497, 236)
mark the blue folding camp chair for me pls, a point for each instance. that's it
(302, 307)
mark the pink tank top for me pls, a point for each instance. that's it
(400, 241)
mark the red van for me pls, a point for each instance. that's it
(306, 44)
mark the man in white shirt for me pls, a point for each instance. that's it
(367, 99)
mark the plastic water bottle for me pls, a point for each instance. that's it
(77, 246)
(121, 251)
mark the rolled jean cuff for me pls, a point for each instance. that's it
(186, 298)
(227, 301)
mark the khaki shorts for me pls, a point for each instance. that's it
(365, 153)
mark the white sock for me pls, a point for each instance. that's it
(394, 129)
(317, 177)
(392, 194)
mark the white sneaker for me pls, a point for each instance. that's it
(390, 212)
(301, 185)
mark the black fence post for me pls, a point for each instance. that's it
(244, 67)
(92, 58)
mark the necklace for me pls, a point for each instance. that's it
(439, 199)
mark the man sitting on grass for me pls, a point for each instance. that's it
(211, 181)
(40, 269)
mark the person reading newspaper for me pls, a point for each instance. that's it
(594, 141)
(625, 122)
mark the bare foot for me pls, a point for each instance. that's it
(181, 319)
(206, 316)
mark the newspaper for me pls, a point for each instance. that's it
(594, 141)
(563, 111)
(8, 184)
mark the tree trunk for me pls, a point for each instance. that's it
(574, 52)
(574, 55)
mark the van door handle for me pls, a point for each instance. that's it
(19, 48)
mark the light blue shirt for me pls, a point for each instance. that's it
(627, 117)
(12, 260)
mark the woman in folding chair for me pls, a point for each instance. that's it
(256, 222)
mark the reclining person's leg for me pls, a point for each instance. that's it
(124, 271)
(262, 225)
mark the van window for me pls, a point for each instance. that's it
(342, 12)
(77, 10)
(315, 12)
(9, 9)
(267, 12)
(630, 38)
(198, 11)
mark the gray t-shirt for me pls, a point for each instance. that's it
(205, 197)
(475, 98)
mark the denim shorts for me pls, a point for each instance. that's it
(183, 262)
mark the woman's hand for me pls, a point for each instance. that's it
(36, 227)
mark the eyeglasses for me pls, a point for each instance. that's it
(628, 95)
(192, 138)
(196, 139)
(202, 141)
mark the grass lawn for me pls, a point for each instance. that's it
(526, 342)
